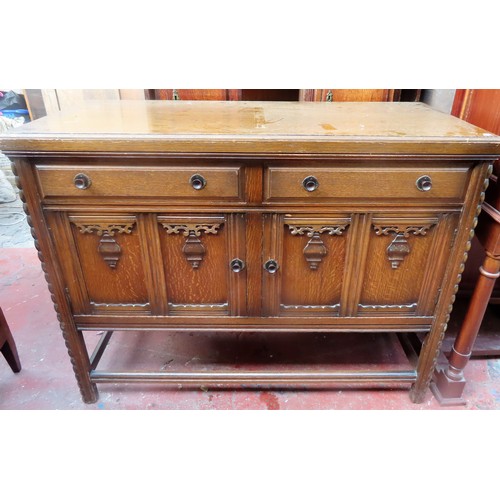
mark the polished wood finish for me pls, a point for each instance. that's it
(259, 128)
(478, 106)
(248, 245)
(348, 95)
(449, 381)
(269, 94)
(370, 180)
(333, 95)
(481, 107)
(197, 94)
(8, 345)
(222, 183)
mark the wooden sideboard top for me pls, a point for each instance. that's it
(267, 128)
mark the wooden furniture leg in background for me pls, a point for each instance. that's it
(449, 382)
(8, 346)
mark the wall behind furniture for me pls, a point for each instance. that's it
(45, 101)
(440, 99)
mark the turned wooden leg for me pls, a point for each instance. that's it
(449, 382)
(8, 346)
(81, 363)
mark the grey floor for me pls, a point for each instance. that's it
(14, 230)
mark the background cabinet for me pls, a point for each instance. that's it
(334, 95)
(43, 102)
(482, 108)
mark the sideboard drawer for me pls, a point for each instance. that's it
(317, 184)
(178, 184)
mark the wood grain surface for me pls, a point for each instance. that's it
(251, 127)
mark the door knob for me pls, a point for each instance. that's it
(237, 265)
(271, 266)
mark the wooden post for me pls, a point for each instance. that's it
(449, 382)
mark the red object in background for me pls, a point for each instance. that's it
(482, 108)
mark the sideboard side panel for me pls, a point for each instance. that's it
(73, 338)
(468, 221)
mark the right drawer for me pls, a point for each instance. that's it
(323, 184)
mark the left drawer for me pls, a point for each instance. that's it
(182, 184)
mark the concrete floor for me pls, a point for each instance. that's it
(47, 381)
(14, 230)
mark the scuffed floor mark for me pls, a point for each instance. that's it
(494, 369)
(496, 395)
(270, 400)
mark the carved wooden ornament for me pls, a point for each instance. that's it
(193, 248)
(108, 248)
(399, 247)
(315, 249)
(397, 250)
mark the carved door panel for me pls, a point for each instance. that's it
(204, 264)
(402, 267)
(304, 264)
(102, 259)
(152, 264)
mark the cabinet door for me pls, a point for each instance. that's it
(354, 265)
(152, 264)
(304, 263)
(339, 95)
(203, 258)
(197, 94)
(102, 259)
(403, 263)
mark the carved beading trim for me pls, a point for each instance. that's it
(101, 228)
(317, 228)
(405, 230)
(387, 306)
(50, 287)
(200, 306)
(444, 324)
(195, 229)
(332, 307)
(110, 305)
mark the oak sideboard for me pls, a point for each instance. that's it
(253, 216)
